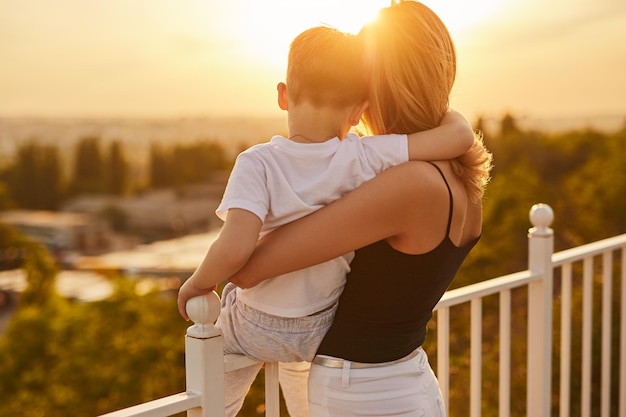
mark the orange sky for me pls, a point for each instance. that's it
(172, 58)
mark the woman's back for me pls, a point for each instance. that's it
(394, 284)
(424, 226)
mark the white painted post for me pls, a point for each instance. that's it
(443, 354)
(539, 359)
(272, 392)
(204, 356)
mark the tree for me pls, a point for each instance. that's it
(185, 164)
(50, 179)
(479, 125)
(6, 201)
(117, 170)
(508, 125)
(161, 173)
(35, 179)
(88, 176)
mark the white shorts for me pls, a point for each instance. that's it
(405, 389)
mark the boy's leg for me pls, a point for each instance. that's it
(293, 377)
(236, 383)
(270, 338)
(236, 386)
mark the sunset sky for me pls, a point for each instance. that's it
(188, 58)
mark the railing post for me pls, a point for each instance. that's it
(539, 359)
(204, 356)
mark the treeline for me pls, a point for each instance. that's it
(60, 357)
(37, 178)
(582, 176)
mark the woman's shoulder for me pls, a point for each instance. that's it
(419, 176)
(412, 190)
(425, 193)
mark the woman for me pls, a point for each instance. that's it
(412, 227)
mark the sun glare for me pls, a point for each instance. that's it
(460, 15)
(266, 28)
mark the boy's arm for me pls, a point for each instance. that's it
(227, 255)
(449, 140)
(379, 209)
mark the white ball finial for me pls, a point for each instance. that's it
(541, 216)
(203, 311)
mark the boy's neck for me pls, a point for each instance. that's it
(311, 124)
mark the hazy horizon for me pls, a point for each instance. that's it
(234, 133)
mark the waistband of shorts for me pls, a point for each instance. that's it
(325, 309)
(330, 362)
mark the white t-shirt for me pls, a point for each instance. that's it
(281, 181)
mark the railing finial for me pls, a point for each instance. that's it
(203, 311)
(541, 216)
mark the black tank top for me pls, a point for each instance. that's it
(389, 297)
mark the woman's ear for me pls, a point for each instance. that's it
(357, 112)
(282, 96)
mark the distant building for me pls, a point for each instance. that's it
(159, 214)
(64, 234)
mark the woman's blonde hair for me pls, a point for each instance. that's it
(411, 61)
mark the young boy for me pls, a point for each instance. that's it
(285, 318)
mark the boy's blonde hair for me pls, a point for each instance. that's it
(326, 68)
(412, 60)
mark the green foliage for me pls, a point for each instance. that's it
(6, 201)
(20, 251)
(60, 357)
(185, 164)
(582, 175)
(89, 172)
(35, 178)
(117, 170)
(40, 271)
(78, 359)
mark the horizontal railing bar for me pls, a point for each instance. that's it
(591, 249)
(485, 288)
(162, 407)
(518, 279)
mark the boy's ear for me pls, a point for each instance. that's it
(357, 112)
(282, 96)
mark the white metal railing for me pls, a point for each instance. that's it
(205, 363)
(539, 282)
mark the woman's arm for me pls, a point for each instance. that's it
(379, 209)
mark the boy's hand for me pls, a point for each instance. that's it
(452, 138)
(454, 117)
(187, 291)
(460, 128)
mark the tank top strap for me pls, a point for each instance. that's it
(450, 195)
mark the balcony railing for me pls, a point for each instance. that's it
(554, 284)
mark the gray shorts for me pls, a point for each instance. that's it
(270, 338)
